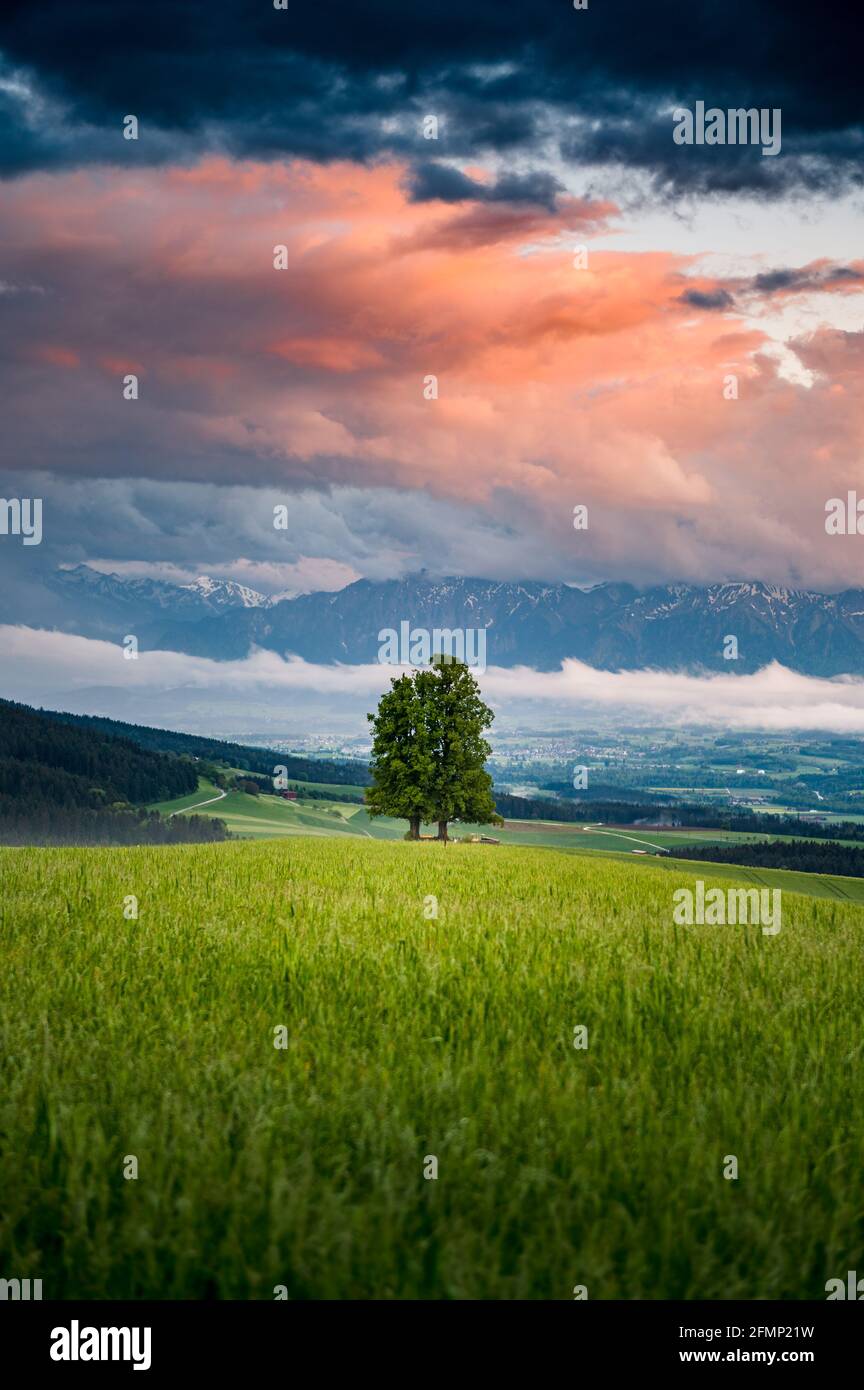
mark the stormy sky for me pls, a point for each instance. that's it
(581, 287)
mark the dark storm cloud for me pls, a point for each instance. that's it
(377, 532)
(816, 160)
(795, 280)
(354, 80)
(430, 180)
(805, 279)
(708, 299)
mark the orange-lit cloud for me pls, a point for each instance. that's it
(557, 383)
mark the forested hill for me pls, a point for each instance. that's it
(122, 768)
(61, 784)
(240, 755)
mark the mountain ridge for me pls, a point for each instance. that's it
(202, 594)
(609, 625)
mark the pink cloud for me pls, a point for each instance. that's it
(556, 385)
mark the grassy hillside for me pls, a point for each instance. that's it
(409, 1037)
(271, 817)
(831, 886)
(204, 792)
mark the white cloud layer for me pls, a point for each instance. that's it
(39, 665)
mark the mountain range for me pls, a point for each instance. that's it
(611, 626)
(191, 601)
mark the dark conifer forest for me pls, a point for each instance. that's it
(62, 784)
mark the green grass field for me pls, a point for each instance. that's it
(410, 1037)
(270, 817)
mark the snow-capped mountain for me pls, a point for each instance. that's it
(202, 595)
(612, 626)
(226, 593)
(94, 603)
(682, 627)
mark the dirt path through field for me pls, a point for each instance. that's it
(208, 802)
(616, 834)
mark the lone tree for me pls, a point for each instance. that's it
(429, 753)
(401, 761)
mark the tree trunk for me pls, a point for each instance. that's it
(442, 830)
(414, 827)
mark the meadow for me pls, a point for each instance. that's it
(410, 1037)
(269, 817)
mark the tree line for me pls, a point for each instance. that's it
(532, 808)
(675, 813)
(30, 823)
(805, 856)
(256, 785)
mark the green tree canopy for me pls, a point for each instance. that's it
(402, 765)
(429, 753)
